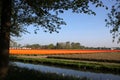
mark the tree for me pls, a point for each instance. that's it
(75, 45)
(60, 45)
(114, 20)
(33, 46)
(4, 35)
(15, 14)
(51, 46)
(68, 45)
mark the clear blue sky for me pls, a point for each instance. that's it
(89, 30)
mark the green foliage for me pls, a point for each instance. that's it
(43, 13)
(33, 46)
(51, 46)
(69, 45)
(114, 20)
(75, 45)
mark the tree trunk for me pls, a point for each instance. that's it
(5, 37)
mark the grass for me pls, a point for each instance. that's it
(16, 73)
(96, 66)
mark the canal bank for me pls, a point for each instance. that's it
(84, 66)
(68, 74)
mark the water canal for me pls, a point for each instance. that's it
(69, 72)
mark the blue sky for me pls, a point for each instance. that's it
(89, 30)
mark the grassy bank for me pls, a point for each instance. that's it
(95, 66)
(16, 73)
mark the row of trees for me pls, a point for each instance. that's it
(58, 45)
(66, 45)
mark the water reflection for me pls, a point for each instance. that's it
(64, 71)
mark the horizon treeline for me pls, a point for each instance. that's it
(58, 45)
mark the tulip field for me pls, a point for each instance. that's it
(57, 51)
(93, 59)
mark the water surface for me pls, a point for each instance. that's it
(69, 72)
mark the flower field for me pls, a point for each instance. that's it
(41, 51)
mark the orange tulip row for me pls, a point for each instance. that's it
(33, 51)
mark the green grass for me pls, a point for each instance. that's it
(16, 73)
(98, 67)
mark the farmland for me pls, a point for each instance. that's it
(74, 64)
(99, 57)
(84, 55)
(89, 55)
(57, 51)
(90, 59)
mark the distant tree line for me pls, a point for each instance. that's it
(58, 45)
